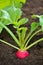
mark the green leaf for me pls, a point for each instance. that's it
(5, 17)
(23, 1)
(16, 3)
(22, 21)
(41, 21)
(4, 14)
(15, 13)
(35, 16)
(4, 3)
(10, 15)
(34, 26)
(5, 22)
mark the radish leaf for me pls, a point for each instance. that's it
(22, 21)
(34, 26)
(41, 21)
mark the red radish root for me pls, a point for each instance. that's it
(22, 54)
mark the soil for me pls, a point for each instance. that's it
(7, 54)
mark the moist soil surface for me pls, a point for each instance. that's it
(7, 53)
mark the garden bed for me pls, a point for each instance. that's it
(7, 54)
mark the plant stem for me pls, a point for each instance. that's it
(27, 37)
(9, 44)
(34, 43)
(10, 32)
(32, 36)
(18, 33)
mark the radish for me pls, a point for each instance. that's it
(22, 54)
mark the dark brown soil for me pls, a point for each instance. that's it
(7, 54)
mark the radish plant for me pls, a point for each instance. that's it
(12, 15)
